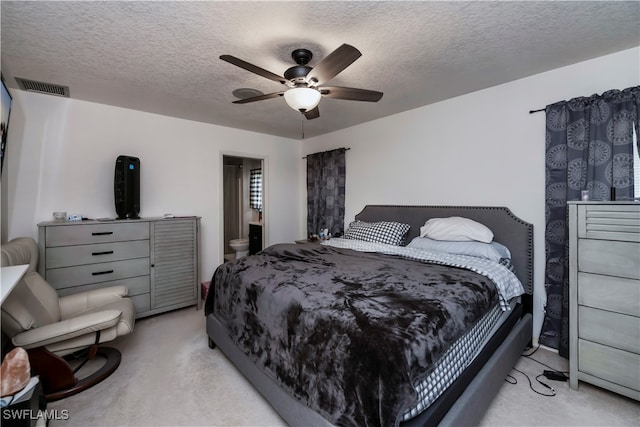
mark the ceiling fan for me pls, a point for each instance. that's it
(305, 84)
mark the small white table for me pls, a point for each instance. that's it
(10, 276)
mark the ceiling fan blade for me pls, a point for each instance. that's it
(333, 64)
(253, 68)
(312, 114)
(259, 98)
(350, 93)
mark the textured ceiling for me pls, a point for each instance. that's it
(163, 57)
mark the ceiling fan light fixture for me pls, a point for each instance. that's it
(302, 98)
(305, 83)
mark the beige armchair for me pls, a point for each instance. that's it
(54, 330)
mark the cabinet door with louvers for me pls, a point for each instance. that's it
(174, 263)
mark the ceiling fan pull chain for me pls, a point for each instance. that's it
(302, 126)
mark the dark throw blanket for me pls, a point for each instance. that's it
(346, 332)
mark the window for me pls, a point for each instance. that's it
(255, 189)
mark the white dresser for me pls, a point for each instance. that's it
(604, 292)
(157, 259)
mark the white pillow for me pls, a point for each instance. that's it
(456, 229)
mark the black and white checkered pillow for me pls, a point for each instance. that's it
(391, 233)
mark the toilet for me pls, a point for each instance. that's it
(241, 246)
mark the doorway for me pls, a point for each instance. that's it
(243, 203)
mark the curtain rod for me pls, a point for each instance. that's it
(345, 149)
(536, 111)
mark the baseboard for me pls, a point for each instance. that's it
(536, 344)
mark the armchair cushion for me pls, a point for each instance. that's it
(75, 304)
(124, 326)
(31, 304)
(22, 250)
(66, 329)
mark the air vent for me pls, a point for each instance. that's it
(43, 87)
(246, 92)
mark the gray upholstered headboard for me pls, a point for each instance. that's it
(507, 228)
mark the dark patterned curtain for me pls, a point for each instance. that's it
(325, 191)
(589, 146)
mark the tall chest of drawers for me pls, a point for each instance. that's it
(156, 259)
(604, 295)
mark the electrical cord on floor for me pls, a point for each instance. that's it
(552, 374)
(512, 380)
(534, 350)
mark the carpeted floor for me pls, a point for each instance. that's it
(170, 377)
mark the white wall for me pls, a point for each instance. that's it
(478, 149)
(483, 148)
(62, 155)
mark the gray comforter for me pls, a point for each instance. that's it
(348, 333)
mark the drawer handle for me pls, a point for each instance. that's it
(98, 273)
(102, 253)
(102, 233)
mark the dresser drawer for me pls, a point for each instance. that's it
(66, 256)
(64, 235)
(66, 277)
(609, 257)
(136, 285)
(609, 222)
(605, 327)
(609, 293)
(617, 366)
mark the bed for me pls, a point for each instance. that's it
(314, 370)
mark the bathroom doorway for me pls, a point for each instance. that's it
(243, 202)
